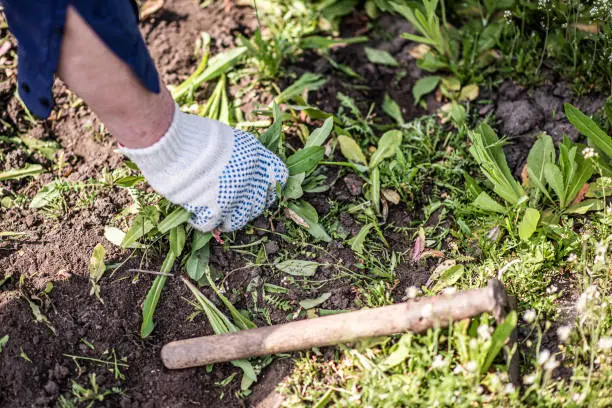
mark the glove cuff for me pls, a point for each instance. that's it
(171, 147)
(185, 164)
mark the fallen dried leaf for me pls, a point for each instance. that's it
(150, 7)
(581, 194)
(419, 51)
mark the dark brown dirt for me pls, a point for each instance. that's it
(57, 251)
(525, 113)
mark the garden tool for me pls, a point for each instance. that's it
(416, 316)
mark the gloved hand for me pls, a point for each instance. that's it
(224, 176)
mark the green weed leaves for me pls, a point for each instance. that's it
(488, 152)
(589, 128)
(424, 86)
(96, 270)
(298, 267)
(351, 150)
(30, 170)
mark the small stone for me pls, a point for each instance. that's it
(60, 372)
(51, 388)
(272, 247)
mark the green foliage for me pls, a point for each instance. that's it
(488, 152)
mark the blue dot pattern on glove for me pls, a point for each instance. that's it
(247, 185)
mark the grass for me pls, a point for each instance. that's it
(433, 195)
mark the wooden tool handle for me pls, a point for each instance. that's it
(416, 316)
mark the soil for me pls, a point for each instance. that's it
(57, 251)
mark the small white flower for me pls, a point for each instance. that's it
(543, 357)
(412, 292)
(471, 366)
(529, 315)
(479, 390)
(563, 333)
(458, 370)
(600, 253)
(578, 398)
(551, 289)
(604, 343)
(484, 332)
(551, 364)
(508, 16)
(572, 258)
(589, 153)
(530, 379)
(509, 389)
(439, 362)
(451, 290)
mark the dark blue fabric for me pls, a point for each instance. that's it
(38, 26)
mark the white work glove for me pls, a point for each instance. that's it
(224, 176)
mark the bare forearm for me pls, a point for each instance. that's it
(136, 116)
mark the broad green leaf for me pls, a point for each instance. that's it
(177, 217)
(3, 341)
(219, 64)
(391, 108)
(96, 270)
(177, 240)
(351, 150)
(197, 263)
(589, 128)
(308, 81)
(30, 170)
(305, 210)
(311, 303)
(401, 351)
(424, 86)
(554, 177)
(45, 196)
(307, 218)
(297, 267)
(449, 277)
(293, 187)
(129, 181)
(498, 339)
(486, 203)
(248, 373)
(271, 138)
(542, 152)
(305, 160)
(140, 227)
(458, 113)
(469, 92)
(387, 147)
(319, 135)
(200, 239)
(358, 241)
(381, 57)
(45, 147)
(529, 223)
(579, 178)
(585, 206)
